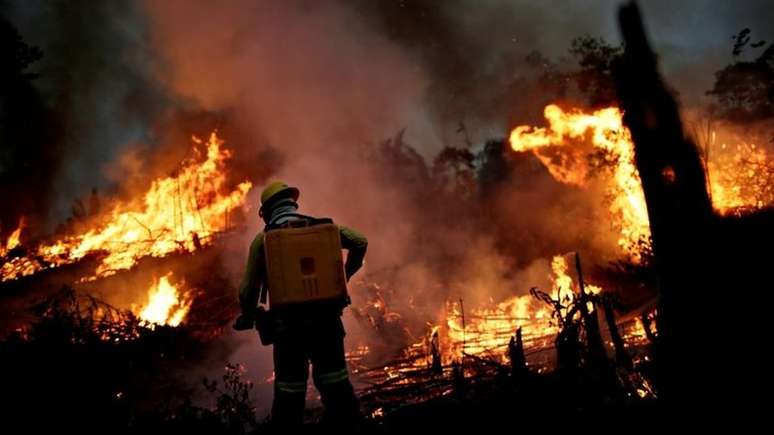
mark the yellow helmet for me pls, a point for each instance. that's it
(278, 189)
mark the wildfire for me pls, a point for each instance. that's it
(489, 330)
(740, 176)
(178, 213)
(166, 305)
(605, 130)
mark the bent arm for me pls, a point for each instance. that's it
(253, 278)
(356, 245)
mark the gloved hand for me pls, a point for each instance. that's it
(244, 322)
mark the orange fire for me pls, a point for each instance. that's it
(485, 331)
(19, 266)
(167, 304)
(741, 177)
(14, 239)
(178, 213)
(605, 130)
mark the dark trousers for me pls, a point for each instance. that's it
(321, 342)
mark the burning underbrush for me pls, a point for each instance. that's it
(178, 213)
(557, 330)
(559, 325)
(148, 275)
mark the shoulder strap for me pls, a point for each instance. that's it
(310, 220)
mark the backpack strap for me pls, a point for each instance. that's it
(309, 220)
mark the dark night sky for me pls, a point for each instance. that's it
(693, 37)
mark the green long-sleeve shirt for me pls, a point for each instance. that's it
(255, 273)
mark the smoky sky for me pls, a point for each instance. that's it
(317, 81)
(463, 42)
(102, 69)
(96, 75)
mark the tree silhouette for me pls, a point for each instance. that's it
(29, 131)
(744, 90)
(594, 78)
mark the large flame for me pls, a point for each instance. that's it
(740, 176)
(605, 130)
(167, 304)
(178, 213)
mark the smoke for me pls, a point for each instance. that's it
(95, 73)
(305, 92)
(380, 66)
(311, 81)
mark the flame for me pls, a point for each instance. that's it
(166, 304)
(605, 130)
(179, 213)
(741, 178)
(14, 239)
(489, 329)
(18, 266)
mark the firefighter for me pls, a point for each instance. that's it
(304, 332)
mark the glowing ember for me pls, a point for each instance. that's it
(178, 213)
(604, 128)
(18, 267)
(166, 305)
(741, 178)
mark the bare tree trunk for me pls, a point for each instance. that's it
(516, 355)
(435, 354)
(679, 210)
(648, 327)
(596, 347)
(622, 357)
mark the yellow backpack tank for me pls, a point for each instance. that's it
(304, 264)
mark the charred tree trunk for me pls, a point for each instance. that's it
(516, 355)
(648, 327)
(597, 357)
(568, 350)
(435, 354)
(679, 209)
(458, 379)
(622, 357)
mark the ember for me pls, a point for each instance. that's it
(741, 178)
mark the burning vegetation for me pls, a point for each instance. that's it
(612, 143)
(167, 303)
(178, 213)
(532, 269)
